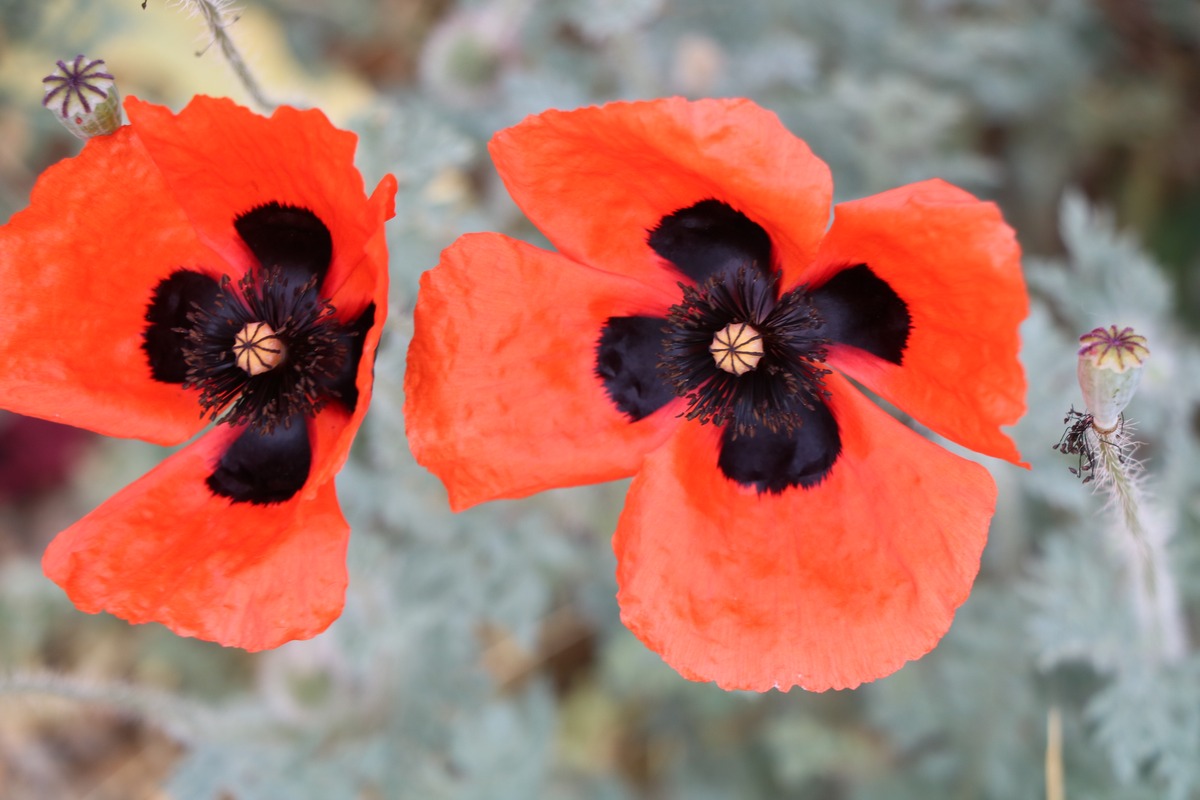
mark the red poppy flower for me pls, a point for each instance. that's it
(698, 328)
(209, 264)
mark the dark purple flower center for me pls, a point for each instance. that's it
(264, 354)
(778, 429)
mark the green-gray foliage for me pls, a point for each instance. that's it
(414, 692)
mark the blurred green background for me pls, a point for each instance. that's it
(481, 655)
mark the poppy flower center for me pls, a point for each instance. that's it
(257, 349)
(743, 354)
(264, 350)
(265, 353)
(737, 348)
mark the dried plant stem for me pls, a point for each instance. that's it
(174, 716)
(215, 17)
(1055, 783)
(1156, 598)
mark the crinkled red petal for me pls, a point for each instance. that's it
(159, 195)
(79, 267)
(334, 430)
(822, 588)
(502, 399)
(165, 549)
(596, 180)
(220, 160)
(957, 266)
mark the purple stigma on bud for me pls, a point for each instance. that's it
(77, 81)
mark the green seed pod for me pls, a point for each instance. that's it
(83, 97)
(1109, 370)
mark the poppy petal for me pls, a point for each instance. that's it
(822, 587)
(166, 549)
(502, 395)
(264, 466)
(709, 239)
(335, 427)
(221, 160)
(627, 358)
(175, 298)
(858, 308)
(79, 269)
(957, 266)
(630, 165)
(775, 461)
(292, 240)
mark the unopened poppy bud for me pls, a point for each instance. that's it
(1110, 367)
(83, 96)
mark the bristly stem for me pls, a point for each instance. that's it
(1119, 475)
(218, 21)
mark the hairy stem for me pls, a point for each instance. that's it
(214, 14)
(1156, 598)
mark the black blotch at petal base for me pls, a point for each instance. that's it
(627, 359)
(860, 309)
(263, 468)
(710, 238)
(174, 297)
(775, 462)
(343, 387)
(292, 239)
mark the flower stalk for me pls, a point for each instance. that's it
(1109, 370)
(215, 14)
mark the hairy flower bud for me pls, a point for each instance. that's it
(83, 97)
(1109, 369)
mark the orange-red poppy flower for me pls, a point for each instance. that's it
(213, 263)
(698, 329)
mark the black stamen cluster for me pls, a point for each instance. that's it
(315, 341)
(787, 378)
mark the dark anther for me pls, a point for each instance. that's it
(262, 466)
(1077, 440)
